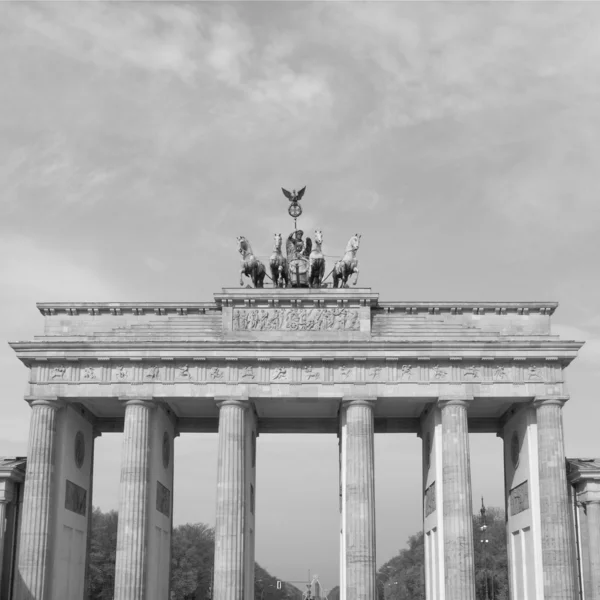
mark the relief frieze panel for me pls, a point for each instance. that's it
(296, 319)
(327, 370)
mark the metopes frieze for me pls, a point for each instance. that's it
(295, 371)
(296, 319)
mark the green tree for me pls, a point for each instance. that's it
(192, 556)
(192, 553)
(403, 577)
(103, 551)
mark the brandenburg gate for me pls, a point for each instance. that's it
(297, 357)
(332, 361)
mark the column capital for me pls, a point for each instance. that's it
(549, 401)
(241, 401)
(51, 401)
(147, 401)
(358, 401)
(444, 401)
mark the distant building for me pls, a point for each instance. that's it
(12, 475)
(584, 476)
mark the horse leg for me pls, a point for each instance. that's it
(356, 275)
(242, 272)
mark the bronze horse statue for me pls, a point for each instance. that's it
(251, 266)
(348, 264)
(316, 267)
(279, 265)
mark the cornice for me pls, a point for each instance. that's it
(122, 308)
(459, 345)
(288, 297)
(474, 307)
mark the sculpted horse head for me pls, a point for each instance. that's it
(278, 240)
(318, 237)
(244, 247)
(353, 244)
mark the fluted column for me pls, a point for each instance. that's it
(557, 532)
(229, 525)
(32, 579)
(360, 501)
(130, 567)
(592, 510)
(2, 528)
(459, 557)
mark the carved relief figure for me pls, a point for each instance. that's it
(251, 266)
(184, 371)
(152, 372)
(120, 372)
(89, 373)
(247, 373)
(535, 372)
(348, 265)
(296, 319)
(216, 373)
(58, 372)
(471, 371)
(439, 373)
(345, 370)
(316, 263)
(310, 372)
(406, 372)
(500, 373)
(375, 371)
(279, 265)
(280, 373)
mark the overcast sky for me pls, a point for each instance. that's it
(139, 139)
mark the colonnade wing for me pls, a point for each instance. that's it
(252, 361)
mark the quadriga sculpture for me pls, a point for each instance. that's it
(348, 264)
(251, 266)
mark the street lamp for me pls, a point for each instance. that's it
(484, 542)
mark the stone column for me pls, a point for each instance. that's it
(3, 503)
(36, 526)
(231, 478)
(556, 519)
(360, 501)
(459, 556)
(592, 510)
(130, 566)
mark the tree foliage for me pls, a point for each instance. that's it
(403, 577)
(192, 555)
(103, 551)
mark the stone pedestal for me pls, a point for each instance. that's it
(555, 515)
(457, 506)
(358, 501)
(130, 567)
(36, 527)
(230, 541)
